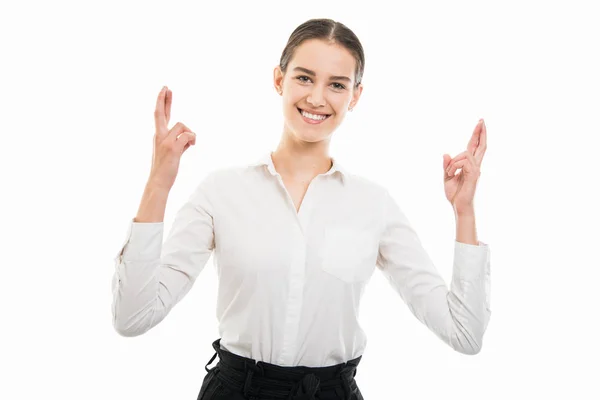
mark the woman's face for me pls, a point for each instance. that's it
(320, 81)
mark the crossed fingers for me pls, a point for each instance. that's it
(474, 153)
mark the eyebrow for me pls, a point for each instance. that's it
(333, 77)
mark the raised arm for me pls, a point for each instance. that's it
(150, 277)
(458, 316)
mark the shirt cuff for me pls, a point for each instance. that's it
(143, 241)
(471, 261)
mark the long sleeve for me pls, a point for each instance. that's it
(150, 277)
(458, 316)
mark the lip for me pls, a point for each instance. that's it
(312, 112)
(312, 121)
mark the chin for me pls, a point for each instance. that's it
(313, 137)
(308, 135)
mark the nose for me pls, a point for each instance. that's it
(316, 98)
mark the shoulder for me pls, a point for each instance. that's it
(226, 178)
(220, 176)
(365, 184)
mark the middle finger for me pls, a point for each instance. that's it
(159, 113)
(480, 151)
(475, 137)
(168, 101)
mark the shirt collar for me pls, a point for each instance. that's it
(266, 159)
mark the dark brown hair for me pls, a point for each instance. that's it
(328, 30)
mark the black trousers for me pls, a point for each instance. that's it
(240, 378)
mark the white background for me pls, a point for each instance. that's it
(79, 83)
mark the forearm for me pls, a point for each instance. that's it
(466, 230)
(153, 205)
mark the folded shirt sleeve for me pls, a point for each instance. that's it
(150, 277)
(458, 316)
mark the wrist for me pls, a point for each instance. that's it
(152, 186)
(464, 212)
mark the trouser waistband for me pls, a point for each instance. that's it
(255, 378)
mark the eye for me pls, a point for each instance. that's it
(305, 79)
(300, 78)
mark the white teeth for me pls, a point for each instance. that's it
(313, 116)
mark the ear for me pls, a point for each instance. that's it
(278, 79)
(356, 95)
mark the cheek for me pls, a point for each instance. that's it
(296, 95)
(339, 102)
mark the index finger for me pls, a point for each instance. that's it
(480, 151)
(160, 118)
(474, 141)
(168, 101)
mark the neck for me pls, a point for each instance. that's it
(303, 161)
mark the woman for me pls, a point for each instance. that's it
(296, 239)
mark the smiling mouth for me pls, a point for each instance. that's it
(326, 115)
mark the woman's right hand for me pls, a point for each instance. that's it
(169, 145)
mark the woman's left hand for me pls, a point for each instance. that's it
(460, 188)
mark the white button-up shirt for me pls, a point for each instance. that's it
(290, 282)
